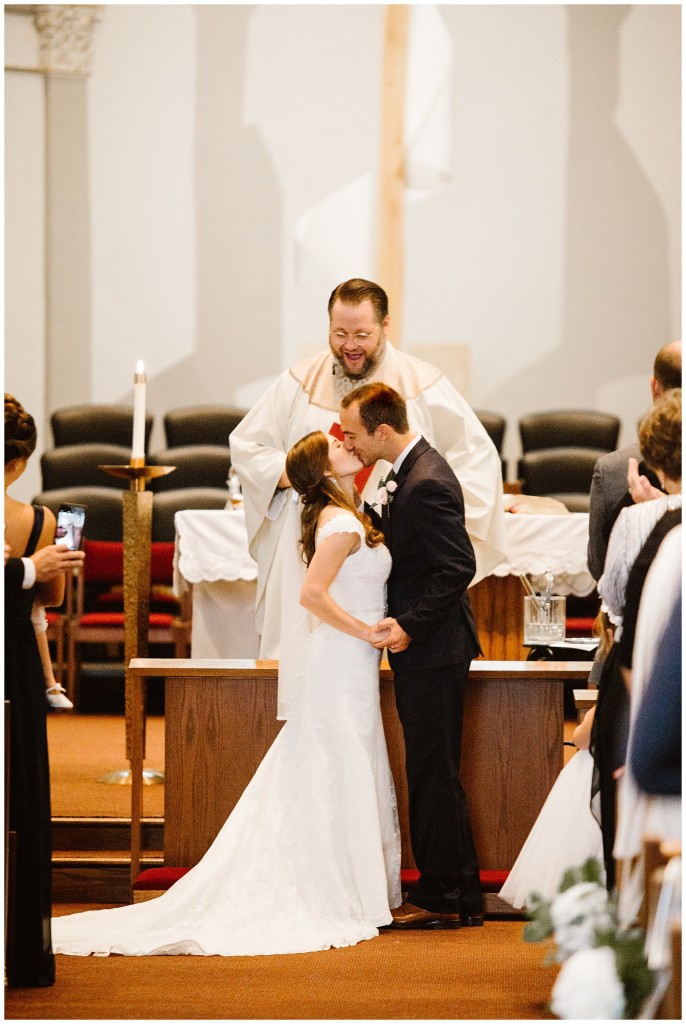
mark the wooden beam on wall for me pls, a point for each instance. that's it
(392, 163)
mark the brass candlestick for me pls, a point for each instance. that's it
(137, 518)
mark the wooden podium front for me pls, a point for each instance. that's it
(498, 606)
(220, 719)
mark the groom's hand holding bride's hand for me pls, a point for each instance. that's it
(390, 635)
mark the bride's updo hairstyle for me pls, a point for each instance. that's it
(307, 466)
(20, 431)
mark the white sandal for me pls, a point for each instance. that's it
(57, 697)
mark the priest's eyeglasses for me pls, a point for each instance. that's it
(359, 336)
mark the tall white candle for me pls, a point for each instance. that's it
(138, 446)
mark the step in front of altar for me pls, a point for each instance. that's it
(155, 881)
(91, 857)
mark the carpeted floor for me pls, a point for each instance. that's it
(83, 748)
(472, 974)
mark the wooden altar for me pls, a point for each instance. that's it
(221, 719)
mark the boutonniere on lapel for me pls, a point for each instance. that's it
(385, 493)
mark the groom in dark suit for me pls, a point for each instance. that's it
(431, 643)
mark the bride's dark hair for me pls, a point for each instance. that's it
(307, 466)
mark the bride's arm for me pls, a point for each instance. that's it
(321, 572)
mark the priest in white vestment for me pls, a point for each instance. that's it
(306, 398)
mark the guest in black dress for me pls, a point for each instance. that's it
(28, 529)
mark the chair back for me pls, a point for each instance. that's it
(103, 572)
(104, 562)
(162, 562)
(201, 424)
(200, 465)
(90, 424)
(103, 509)
(494, 424)
(166, 504)
(569, 428)
(78, 465)
(562, 473)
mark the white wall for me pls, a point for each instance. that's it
(141, 138)
(217, 133)
(25, 240)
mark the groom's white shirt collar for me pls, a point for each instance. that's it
(405, 452)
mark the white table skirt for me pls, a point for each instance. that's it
(212, 555)
(536, 544)
(211, 545)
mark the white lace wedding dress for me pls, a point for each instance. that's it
(564, 835)
(310, 856)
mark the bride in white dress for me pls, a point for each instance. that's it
(310, 856)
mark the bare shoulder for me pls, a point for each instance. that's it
(330, 512)
(18, 523)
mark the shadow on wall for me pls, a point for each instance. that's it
(615, 278)
(238, 214)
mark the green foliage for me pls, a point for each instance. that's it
(541, 923)
(632, 966)
(590, 871)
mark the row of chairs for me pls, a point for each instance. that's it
(104, 508)
(93, 611)
(559, 448)
(113, 424)
(88, 437)
(94, 607)
(202, 465)
(559, 451)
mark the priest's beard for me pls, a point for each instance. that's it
(343, 383)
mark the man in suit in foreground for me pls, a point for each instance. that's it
(432, 641)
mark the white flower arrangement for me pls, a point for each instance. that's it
(605, 973)
(588, 987)
(384, 495)
(577, 913)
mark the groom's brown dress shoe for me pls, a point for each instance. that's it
(409, 916)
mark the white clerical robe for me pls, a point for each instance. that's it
(306, 398)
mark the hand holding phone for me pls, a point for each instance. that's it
(70, 524)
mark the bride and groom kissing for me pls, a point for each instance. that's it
(310, 856)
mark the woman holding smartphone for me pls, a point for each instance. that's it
(28, 529)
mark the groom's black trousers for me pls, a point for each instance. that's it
(430, 707)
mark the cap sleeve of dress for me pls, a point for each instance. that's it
(344, 522)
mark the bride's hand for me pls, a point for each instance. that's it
(378, 635)
(389, 634)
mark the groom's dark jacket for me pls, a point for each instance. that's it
(433, 563)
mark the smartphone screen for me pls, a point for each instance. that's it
(70, 522)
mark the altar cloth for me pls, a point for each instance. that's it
(212, 555)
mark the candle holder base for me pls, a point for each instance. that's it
(139, 474)
(122, 777)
